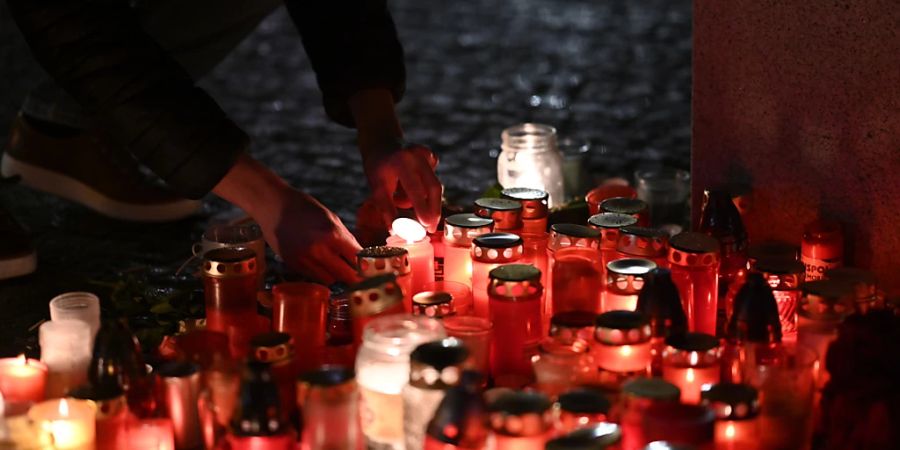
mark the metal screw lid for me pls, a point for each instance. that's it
(374, 295)
(652, 389)
(572, 235)
(623, 205)
(461, 229)
(229, 262)
(533, 201)
(516, 282)
(609, 225)
(622, 328)
(660, 301)
(828, 300)
(520, 414)
(731, 401)
(507, 214)
(628, 275)
(380, 260)
(433, 304)
(642, 241)
(497, 248)
(693, 249)
(597, 436)
(437, 364)
(272, 347)
(584, 401)
(565, 326)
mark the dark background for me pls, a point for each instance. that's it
(616, 73)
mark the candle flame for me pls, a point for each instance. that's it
(22, 359)
(695, 358)
(689, 375)
(63, 408)
(729, 431)
(625, 350)
(2, 406)
(408, 230)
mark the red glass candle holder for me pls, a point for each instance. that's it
(624, 281)
(461, 294)
(436, 305)
(579, 408)
(328, 397)
(596, 196)
(339, 339)
(822, 248)
(476, 333)
(421, 263)
(576, 280)
(520, 421)
(382, 260)
(301, 309)
(506, 214)
(278, 350)
(489, 251)
(515, 293)
(229, 286)
(22, 382)
(374, 297)
(691, 362)
(609, 225)
(559, 366)
(535, 245)
(621, 345)
(785, 278)
(694, 261)
(564, 235)
(150, 434)
(534, 208)
(638, 395)
(630, 206)
(111, 413)
(459, 231)
(568, 327)
(736, 407)
(643, 242)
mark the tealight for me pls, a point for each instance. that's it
(22, 380)
(67, 423)
(411, 235)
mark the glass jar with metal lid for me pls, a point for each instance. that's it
(534, 207)
(374, 297)
(630, 206)
(643, 242)
(435, 367)
(382, 260)
(692, 363)
(530, 158)
(520, 421)
(488, 252)
(506, 214)
(624, 281)
(621, 345)
(432, 304)
(459, 231)
(785, 278)
(694, 261)
(515, 294)
(559, 366)
(737, 410)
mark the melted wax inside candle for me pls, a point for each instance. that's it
(408, 230)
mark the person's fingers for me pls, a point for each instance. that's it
(347, 247)
(427, 154)
(340, 269)
(315, 269)
(411, 180)
(431, 215)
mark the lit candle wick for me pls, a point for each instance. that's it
(408, 230)
(626, 350)
(63, 408)
(22, 360)
(689, 375)
(729, 431)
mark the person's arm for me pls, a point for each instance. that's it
(97, 51)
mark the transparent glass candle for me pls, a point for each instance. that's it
(410, 235)
(576, 280)
(785, 278)
(609, 225)
(328, 398)
(506, 214)
(691, 362)
(382, 367)
(736, 407)
(382, 260)
(515, 293)
(435, 367)
(300, 309)
(643, 242)
(666, 191)
(624, 281)
(534, 208)
(565, 235)
(530, 159)
(694, 261)
(630, 206)
(475, 333)
(520, 421)
(68, 423)
(230, 284)
(489, 251)
(459, 292)
(559, 367)
(459, 231)
(622, 342)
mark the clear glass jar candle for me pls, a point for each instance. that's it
(534, 208)
(515, 294)
(459, 231)
(382, 367)
(506, 214)
(635, 207)
(476, 333)
(530, 158)
(374, 297)
(622, 343)
(579, 408)
(559, 367)
(576, 280)
(435, 367)
(694, 261)
(382, 260)
(691, 362)
(520, 421)
(489, 251)
(737, 409)
(822, 248)
(638, 395)
(785, 278)
(66, 351)
(67, 423)
(643, 242)
(624, 281)
(328, 398)
(83, 306)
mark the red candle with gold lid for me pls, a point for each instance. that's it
(564, 235)
(374, 297)
(643, 242)
(624, 281)
(459, 231)
(230, 284)
(507, 214)
(382, 260)
(609, 225)
(534, 207)
(489, 251)
(694, 261)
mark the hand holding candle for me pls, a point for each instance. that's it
(409, 234)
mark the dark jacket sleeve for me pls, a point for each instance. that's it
(97, 51)
(352, 45)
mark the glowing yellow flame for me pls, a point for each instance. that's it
(625, 350)
(408, 230)
(689, 375)
(22, 359)
(63, 408)
(729, 431)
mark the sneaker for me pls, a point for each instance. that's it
(87, 168)
(17, 256)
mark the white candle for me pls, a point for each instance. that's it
(82, 306)
(66, 350)
(409, 234)
(67, 423)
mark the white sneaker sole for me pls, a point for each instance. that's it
(18, 266)
(69, 188)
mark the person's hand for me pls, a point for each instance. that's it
(309, 238)
(403, 177)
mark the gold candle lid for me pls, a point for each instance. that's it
(533, 201)
(461, 229)
(272, 347)
(520, 413)
(693, 250)
(379, 260)
(507, 214)
(572, 235)
(374, 295)
(622, 328)
(515, 282)
(229, 262)
(433, 304)
(642, 241)
(437, 364)
(731, 401)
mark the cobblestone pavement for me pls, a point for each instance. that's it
(614, 73)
